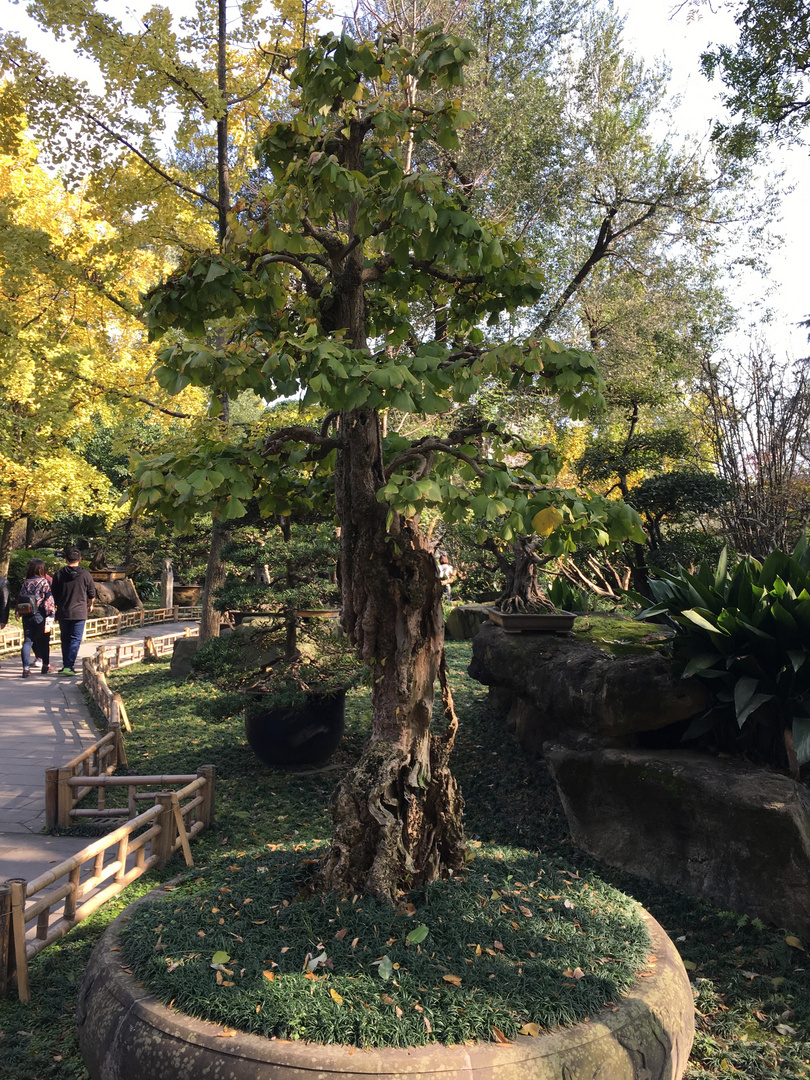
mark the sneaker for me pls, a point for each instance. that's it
(66, 671)
(26, 673)
(49, 670)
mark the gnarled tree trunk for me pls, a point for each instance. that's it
(397, 815)
(522, 591)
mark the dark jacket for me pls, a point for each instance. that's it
(72, 587)
(5, 601)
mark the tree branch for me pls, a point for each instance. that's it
(133, 397)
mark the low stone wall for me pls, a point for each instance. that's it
(724, 830)
(554, 686)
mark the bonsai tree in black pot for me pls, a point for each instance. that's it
(287, 652)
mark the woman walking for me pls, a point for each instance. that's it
(36, 595)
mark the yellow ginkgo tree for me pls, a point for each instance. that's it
(73, 351)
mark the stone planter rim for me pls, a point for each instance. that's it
(538, 622)
(665, 995)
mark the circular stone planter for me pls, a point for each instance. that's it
(126, 1034)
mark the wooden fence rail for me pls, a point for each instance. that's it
(11, 637)
(110, 657)
(149, 840)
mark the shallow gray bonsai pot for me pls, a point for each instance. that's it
(126, 1034)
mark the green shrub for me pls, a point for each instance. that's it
(746, 629)
(568, 597)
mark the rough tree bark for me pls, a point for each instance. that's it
(398, 814)
(5, 545)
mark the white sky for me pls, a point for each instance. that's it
(653, 33)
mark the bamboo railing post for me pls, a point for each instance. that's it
(181, 830)
(175, 613)
(121, 712)
(119, 755)
(123, 851)
(163, 844)
(18, 967)
(5, 938)
(42, 923)
(64, 797)
(51, 799)
(207, 808)
(72, 898)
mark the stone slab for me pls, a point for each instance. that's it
(728, 831)
(561, 688)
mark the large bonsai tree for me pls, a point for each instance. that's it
(360, 280)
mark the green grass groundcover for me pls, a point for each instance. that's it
(516, 940)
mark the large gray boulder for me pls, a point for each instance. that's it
(120, 593)
(464, 621)
(182, 655)
(560, 688)
(727, 831)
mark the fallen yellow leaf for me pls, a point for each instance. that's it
(269, 975)
(454, 979)
(530, 1029)
(500, 1037)
(335, 996)
(794, 942)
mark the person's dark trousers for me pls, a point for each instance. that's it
(71, 631)
(35, 638)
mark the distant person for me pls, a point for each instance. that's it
(36, 607)
(447, 575)
(74, 592)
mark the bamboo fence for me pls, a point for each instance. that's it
(148, 839)
(12, 637)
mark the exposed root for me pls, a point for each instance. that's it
(397, 824)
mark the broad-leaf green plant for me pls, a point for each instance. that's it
(747, 629)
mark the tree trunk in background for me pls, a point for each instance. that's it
(5, 546)
(215, 571)
(29, 532)
(214, 580)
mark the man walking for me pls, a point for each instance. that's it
(74, 592)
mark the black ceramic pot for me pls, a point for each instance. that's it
(300, 735)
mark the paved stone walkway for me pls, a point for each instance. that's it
(44, 722)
